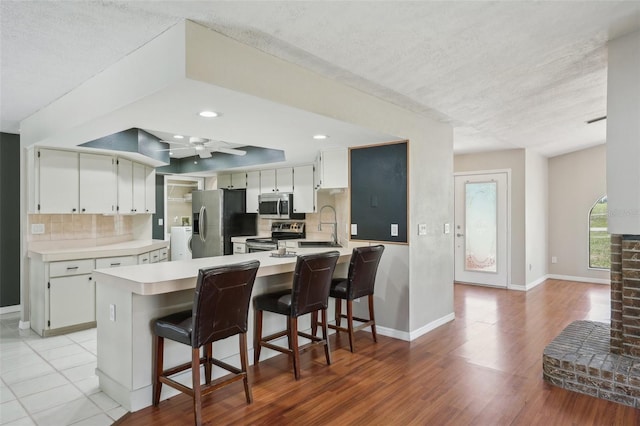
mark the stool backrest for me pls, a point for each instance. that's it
(221, 301)
(362, 271)
(312, 281)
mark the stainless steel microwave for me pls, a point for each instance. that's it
(277, 206)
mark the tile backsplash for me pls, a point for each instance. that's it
(58, 227)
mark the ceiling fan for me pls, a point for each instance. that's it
(204, 147)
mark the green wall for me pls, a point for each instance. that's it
(9, 219)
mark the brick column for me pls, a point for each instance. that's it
(631, 295)
(616, 294)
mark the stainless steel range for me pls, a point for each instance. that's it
(279, 231)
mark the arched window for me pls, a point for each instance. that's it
(599, 239)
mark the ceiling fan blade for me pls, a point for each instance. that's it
(232, 151)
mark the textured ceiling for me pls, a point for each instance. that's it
(504, 74)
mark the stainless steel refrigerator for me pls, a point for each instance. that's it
(219, 215)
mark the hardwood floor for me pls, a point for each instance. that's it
(484, 368)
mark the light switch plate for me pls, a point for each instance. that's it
(447, 228)
(354, 229)
(160, 222)
(394, 229)
(422, 229)
(37, 228)
(112, 312)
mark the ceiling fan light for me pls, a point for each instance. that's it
(178, 137)
(199, 148)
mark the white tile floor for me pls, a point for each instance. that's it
(51, 381)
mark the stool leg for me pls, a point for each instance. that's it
(338, 312)
(325, 336)
(257, 337)
(208, 354)
(350, 322)
(195, 377)
(243, 365)
(294, 346)
(314, 323)
(372, 318)
(157, 370)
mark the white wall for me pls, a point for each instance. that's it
(623, 135)
(536, 216)
(576, 181)
(513, 159)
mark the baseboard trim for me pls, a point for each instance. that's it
(412, 335)
(9, 309)
(580, 279)
(24, 325)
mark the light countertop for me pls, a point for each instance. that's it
(166, 277)
(244, 239)
(126, 248)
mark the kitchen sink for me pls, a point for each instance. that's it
(302, 244)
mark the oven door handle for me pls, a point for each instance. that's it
(279, 209)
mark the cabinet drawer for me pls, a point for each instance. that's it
(154, 256)
(164, 254)
(143, 258)
(71, 267)
(113, 262)
(239, 248)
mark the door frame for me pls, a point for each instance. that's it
(509, 234)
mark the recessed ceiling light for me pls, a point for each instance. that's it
(320, 137)
(195, 162)
(208, 114)
(170, 152)
(178, 137)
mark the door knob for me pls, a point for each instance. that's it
(459, 235)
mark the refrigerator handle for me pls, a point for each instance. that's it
(189, 246)
(203, 224)
(278, 207)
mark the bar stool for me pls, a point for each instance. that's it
(359, 282)
(309, 293)
(220, 310)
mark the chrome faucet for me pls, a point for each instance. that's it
(334, 234)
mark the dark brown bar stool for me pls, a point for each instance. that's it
(309, 293)
(359, 282)
(220, 310)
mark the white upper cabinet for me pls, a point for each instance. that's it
(150, 190)
(253, 191)
(232, 181)
(97, 184)
(139, 185)
(333, 168)
(125, 186)
(57, 182)
(304, 194)
(267, 181)
(284, 180)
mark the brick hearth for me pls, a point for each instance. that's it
(598, 359)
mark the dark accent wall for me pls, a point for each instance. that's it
(158, 230)
(9, 219)
(379, 192)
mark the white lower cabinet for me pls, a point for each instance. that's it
(63, 296)
(114, 262)
(239, 248)
(144, 259)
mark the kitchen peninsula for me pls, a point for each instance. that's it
(130, 297)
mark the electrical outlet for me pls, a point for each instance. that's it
(447, 228)
(37, 228)
(160, 222)
(354, 229)
(554, 259)
(422, 229)
(112, 312)
(394, 229)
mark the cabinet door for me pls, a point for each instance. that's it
(72, 300)
(98, 184)
(253, 190)
(303, 190)
(125, 186)
(239, 180)
(139, 184)
(224, 181)
(335, 168)
(284, 180)
(150, 190)
(267, 181)
(57, 181)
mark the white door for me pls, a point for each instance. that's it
(481, 229)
